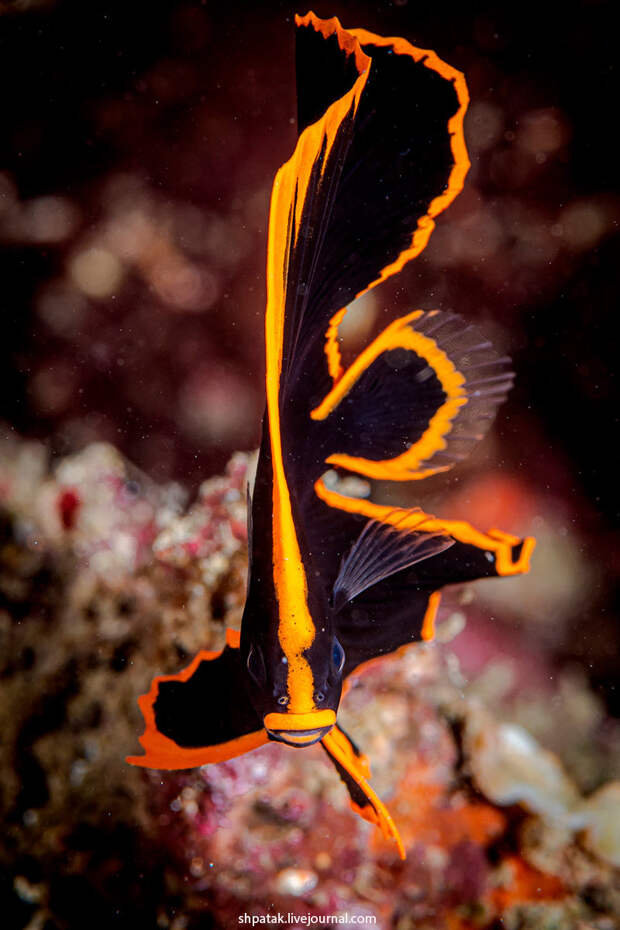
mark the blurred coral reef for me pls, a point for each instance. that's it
(107, 576)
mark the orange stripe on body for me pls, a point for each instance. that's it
(296, 629)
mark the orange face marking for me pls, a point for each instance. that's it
(311, 721)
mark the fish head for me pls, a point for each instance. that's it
(298, 706)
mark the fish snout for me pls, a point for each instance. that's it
(299, 729)
(299, 737)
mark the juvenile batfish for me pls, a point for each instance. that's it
(336, 581)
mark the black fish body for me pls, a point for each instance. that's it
(336, 581)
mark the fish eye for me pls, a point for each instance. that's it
(319, 697)
(337, 655)
(283, 700)
(256, 665)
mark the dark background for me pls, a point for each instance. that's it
(138, 142)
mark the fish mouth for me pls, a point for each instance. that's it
(299, 737)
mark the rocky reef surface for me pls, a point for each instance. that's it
(501, 785)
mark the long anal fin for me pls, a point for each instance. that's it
(353, 770)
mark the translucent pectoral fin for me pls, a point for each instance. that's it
(353, 770)
(474, 554)
(374, 620)
(381, 550)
